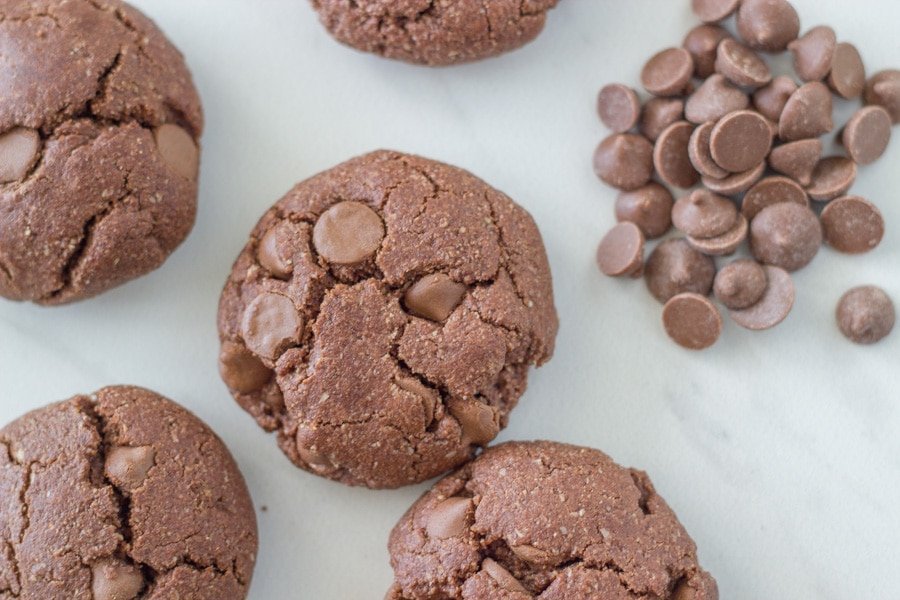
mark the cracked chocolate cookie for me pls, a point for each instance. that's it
(117, 496)
(549, 521)
(383, 318)
(434, 32)
(99, 122)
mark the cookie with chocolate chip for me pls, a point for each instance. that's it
(383, 318)
(99, 122)
(549, 521)
(434, 32)
(121, 495)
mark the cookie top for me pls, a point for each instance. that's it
(120, 495)
(434, 32)
(383, 318)
(99, 122)
(549, 521)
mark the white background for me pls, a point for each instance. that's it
(780, 451)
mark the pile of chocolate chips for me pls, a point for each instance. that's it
(749, 148)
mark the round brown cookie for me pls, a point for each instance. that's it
(547, 521)
(99, 122)
(121, 495)
(395, 305)
(434, 32)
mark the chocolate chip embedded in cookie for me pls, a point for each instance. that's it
(118, 496)
(99, 122)
(383, 318)
(434, 33)
(544, 520)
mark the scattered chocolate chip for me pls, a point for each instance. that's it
(741, 65)
(775, 305)
(807, 113)
(178, 150)
(449, 518)
(272, 252)
(703, 214)
(852, 224)
(479, 422)
(713, 11)
(619, 107)
(658, 114)
(771, 99)
(502, 577)
(725, 244)
(270, 325)
(848, 73)
(700, 155)
(768, 25)
(19, 150)
(649, 207)
(428, 397)
(736, 184)
(675, 267)
(740, 284)
(703, 42)
(241, 370)
(671, 158)
(434, 297)
(714, 99)
(866, 315)
(814, 53)
(692, 321)
(772, 190)
(740, 141)
(832, 177)
(883, 89)
(127, 467)
(622, 251)
(668, 73)
(348, 233)
(786, 235)
(867, 134)
(116, 580)
(624, 161)
(797, 160)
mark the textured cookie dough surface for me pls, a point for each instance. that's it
(99, 122)
(548, 521)
(434, 32)
(121, 495)
(383, 318)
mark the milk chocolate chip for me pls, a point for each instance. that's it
(700, 154)
(116, 580)
(619, 107)
(771, 100)
(852, 224)
(866, 315)
(883, 89)
(270, 325)
(703, 214)
(479, 422)
(241, 370)
(725, 244)
(772, 190)
(768, 25)
(867, 134)
(449, 518)
(624, 161)
(848, 73)
(807, 113)
(786, 235)
(502, 577)
(348, 233)
(713, 11)
(19, 150)
(741, 65)
(675, 268)
(178, 150)
(692, 321)
(775, 305)
(736, 184)
(832, 177)
(740, 141)
(658, 114)
(814, 53)
(434, 297)
(740, 284)
(649, 207)
(702, 42)
(797, 160)
(273, 254)
(668, 73)
(128, 467)
(671, 158)
(622, 251)
(714, 99)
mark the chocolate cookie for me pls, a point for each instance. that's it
(121, 495)
(547, 521)
(99, 122)
(383, 318)
(434, 32)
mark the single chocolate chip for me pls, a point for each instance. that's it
(741, 65)
(768, 25)
(19, 150)
(449, 518)
(867, 134)
(772, 190)
(675, 268)
(649, 207)
(700, 155)
(273, 254)
(852, 224)
(703, 214)
(621, 252)
(127, 467)
(270, 325)
(658, 114)
(725, 244)
(771, 100)
(479, 422)
(883, 89)
(692, 321)
(116, 580)
(624, 161)
(671, 158)
(702, 42)
(713, 11)
(316, 461)
(502, 577)
(848, 73)
(668, 73)
(807, 113)
(741, 284)
(428, 397)
(797, 160)
(348, 233)
(241, 370)
(786, 235)
(814, 53)
(434, 297)
(178, 150)
(532, 555)
(714, 99)
(866, 315)
(775, 305)
(740, 141)
(832, 177)
(736, 184)
(619, 107)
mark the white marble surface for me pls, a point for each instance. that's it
(780, 451)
